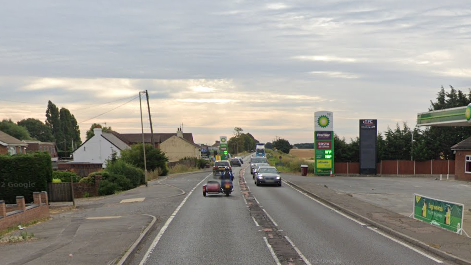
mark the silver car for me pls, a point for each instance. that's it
(257, 166)
(268, 175)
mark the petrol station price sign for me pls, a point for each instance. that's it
(323, 143)
(223, 147)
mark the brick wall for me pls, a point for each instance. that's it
(460, 159)
(25, 214)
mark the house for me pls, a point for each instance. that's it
(177, 147)
(156, 138)
(49, 147)
(10, 145)
(99, 148)
(462, 152)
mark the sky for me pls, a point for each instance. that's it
(211, 66)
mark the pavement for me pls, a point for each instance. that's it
(103, 230)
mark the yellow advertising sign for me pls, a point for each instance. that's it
(324, 163)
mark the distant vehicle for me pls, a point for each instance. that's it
(220, 166)
(235, 162)
(260, 150)
(240, 158)
(254, 160)
(257, 166)
(268, 175)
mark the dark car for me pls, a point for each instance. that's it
(268, 175)
(235, 162)
(220, 166)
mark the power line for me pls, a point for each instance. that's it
(110, 110)
(106, 103)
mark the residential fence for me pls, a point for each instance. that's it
(401, 167)
(12, 215)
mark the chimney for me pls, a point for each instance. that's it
(179, 133)
(97, 131)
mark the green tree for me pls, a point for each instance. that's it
(15, 130)
(282, 145)
(37, 129)
(155, 158)
(90, 132)
(398, 143)
(53, 122)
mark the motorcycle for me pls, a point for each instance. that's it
(216, 187)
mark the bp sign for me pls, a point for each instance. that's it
(324, 142)
(223, 147)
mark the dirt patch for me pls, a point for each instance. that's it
(302, 153)
(60, 209)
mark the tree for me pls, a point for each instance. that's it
(64, 128)
(282, 145)
(90, 132)
(155, 158)
(13, 129)
(53, 121)
(37, 129)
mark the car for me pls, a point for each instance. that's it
(220, 166)
(267, 175)
(257, 166)
(254, 160)
(240, 158)
(235, 162)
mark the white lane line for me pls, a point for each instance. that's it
(271, 219)
(405, 245)
(256, 224)
(298, 251)
(256, 200)
(245, 200)
(277, 261)
(327, 206)
(372, 229)
(170, 219)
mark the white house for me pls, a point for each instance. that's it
(99, 148)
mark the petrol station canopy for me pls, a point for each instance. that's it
(459, 116)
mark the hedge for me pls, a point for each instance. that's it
(23, 174)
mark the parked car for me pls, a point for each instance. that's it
(267, 175)
(220, 166)
(235, 162)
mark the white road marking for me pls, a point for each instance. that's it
(405, 245)
(256, 224)
(327, 206)
(245, 200)
(132, 200)
(271, 219)
(103, 217)
(298, 251)
(371, 228)
(165, 227)
(256, 200)
(277, 261)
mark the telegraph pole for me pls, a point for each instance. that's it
(143, 141)
(150, 120)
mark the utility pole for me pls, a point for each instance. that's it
(143, 141)
(150, 120)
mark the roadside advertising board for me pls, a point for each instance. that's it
(324, 142)
(447, 215)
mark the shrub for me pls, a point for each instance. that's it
(119, 167)
(56, 181)
(107, 187)
(65, 176)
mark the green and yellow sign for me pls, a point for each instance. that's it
(447, 215)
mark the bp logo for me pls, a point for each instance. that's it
(223, 140)
(468, 113)
(323, 121)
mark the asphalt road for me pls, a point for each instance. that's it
(266, 225)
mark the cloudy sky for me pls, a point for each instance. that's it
(214, 65)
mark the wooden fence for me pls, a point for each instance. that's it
(60, 192)
(401, 167)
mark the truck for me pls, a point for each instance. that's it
(260, 150)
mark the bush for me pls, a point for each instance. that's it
(119, 167)
(107, 187)
(123, 182)
(65, 176)
(56, 181)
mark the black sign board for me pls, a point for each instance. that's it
(368, 146)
